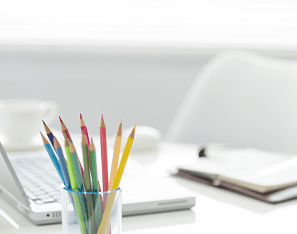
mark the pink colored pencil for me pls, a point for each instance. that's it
(104, 154)
(65, 130)
(84, 129)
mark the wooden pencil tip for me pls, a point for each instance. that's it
(132, 134)
(92, 145)
(102, 123)
(84, 139)
(67, 142)
(120, 131)
(56, 143)
(82, 122)
(72, 149)
(43, 139)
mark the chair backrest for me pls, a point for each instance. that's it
(241, 99)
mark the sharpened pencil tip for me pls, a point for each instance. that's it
(60, 119)
(43, 122)
(132, 134)
(40, 132)
(102, 123)
(120, 132)
(80, 115)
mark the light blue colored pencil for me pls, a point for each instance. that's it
(53, 157)
(61, 157)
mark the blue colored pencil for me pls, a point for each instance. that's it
(61, 158)
(53, 157)
(49, 133)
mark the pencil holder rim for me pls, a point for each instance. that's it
(105, 192)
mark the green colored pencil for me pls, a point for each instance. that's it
(85, 150)
(88, 185)
(94, 166)
(98, 200)
(70, 166)
(80, 184)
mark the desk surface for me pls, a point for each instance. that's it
(216, 210)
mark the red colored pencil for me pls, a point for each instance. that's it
(104, 154)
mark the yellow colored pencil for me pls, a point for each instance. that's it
(115, 185)
(116, 154)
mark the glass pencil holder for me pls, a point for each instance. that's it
(91, 212)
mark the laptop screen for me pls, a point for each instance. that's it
(9, 182)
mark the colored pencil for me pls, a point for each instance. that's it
(88, 185)
(79, 212)
(49, 133)
(80, 183)
(116, 154)
(106, 216)
(78, 175)
(93, 163)
(96, 186)
(51, 138)
(124, 159)
(77, 198)
(104, 154)
(84, 129)
(85, 151)
(53, 157)
(65, 130)
(66, 134)
(70, 166)
(63, 165)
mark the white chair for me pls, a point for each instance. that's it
(241, 99)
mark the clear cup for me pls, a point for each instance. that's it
(91, 212)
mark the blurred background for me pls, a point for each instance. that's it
(134, 59)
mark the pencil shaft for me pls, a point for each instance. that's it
(104, 158)
(79, 213)
(78, 176)
(122, 165)
(55, 161)
(115, 161)
(79, 199)
(94, 170)
(86, 167)
(63, 167)
(71, 169)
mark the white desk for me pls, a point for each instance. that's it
(216, 210)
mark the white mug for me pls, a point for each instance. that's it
(21, 119)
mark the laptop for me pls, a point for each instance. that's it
(30, 183)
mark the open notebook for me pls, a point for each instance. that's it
(253, 172)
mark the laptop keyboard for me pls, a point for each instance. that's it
(39, 179)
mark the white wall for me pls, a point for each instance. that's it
(145, 89)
